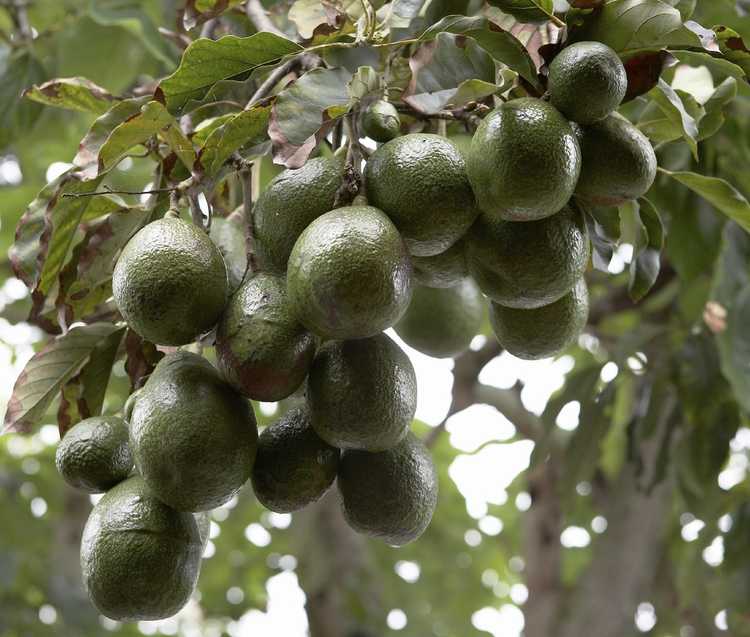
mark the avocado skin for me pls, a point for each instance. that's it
(294, 467)
(420, 182)
(544, 331)
(349, 274)
(291, 202)
(442, 270)
(139, 558)
(524, 161)
(530, 264)
(619, 163)
(381, 121)
(441, 322)
(193, 437)
(390, 495)
(263, 350)
(170, 282)
(94, 454)
(362, 393)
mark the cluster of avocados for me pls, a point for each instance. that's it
(443, 226)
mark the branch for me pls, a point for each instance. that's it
(109, 191)
(246, 177)
(257, 15)
(304, 61)
(351, 184)
(508, 403)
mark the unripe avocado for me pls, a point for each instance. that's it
(294, 467)
(390, 495)
(139, 558)
(349, 274)
(530, 264)
(443, 270)
(381, 122)
(420, 182)
(94, 455)
(441, 322)
(193, 437)
(290, 203)
(362, 394)
(524, 161)
(229, 236)
(587, 82)
(263, 350)
(618, 162)
(170, 282)
(544, 331)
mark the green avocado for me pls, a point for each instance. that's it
(381, 122)
(530, 264)
(443, 270)
(587, 82)
(420, 182)
(139, 558)
(441, 322)
(193, 436)
(170, 282)
(524, 161)
(229, 236)
(294, 467)
(544, 331)
(618, 162)
(94, 455)
(262, 349)
(390, 495)
(290, 203)
(362, 394)
(349, 274)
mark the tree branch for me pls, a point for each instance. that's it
(257, 15)
(508, 403)
(246, 177)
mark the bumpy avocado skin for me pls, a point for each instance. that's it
(294, 466)
(420, 182)
(524, 161)
(390, 495)
(530, 264)
(362, 394)
(381, 122)
(94, 455)
(291, 202)
(587, 82)
(170, 282)
(441, 322)
(349, 274)
(139, 558)
(544, 331)
(618, 162)
(193, 436)
(229, 236)
(263, 350)
(443, 270)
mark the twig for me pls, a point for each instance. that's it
(257, 15)
(209, 27)
(180, 39)
(351, 182)
(246, 177)
(20, 17)
(109, 191)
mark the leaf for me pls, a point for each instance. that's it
(365, 83)
(644, 268)
(671, 105)
(733, 47)
(441, 66)
(644, 70)
(403, 12)
(732, 271)
(200, 11)
(142, 357)
(630, 25)
(734, 348)
(19, 69)
(534, 11)
(47, 371)
(74, 93)
(714, 107)
(247, 127)
(311, 17)
(503, 46)
(206, 62)
(603, 224)
(719, 193)
(717, 65)
(302, 109)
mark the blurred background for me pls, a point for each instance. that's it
(602, 493)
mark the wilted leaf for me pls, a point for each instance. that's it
(47, 371)
(310, 16)
(535, 11)
(206, 62)
(673, 108)
(74, 93)
(19, 69)
(232, 134)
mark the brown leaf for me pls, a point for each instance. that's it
(644, 71)
(142, 357)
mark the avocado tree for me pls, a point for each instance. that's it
(212, 210)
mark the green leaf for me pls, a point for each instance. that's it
(732, 272)
(19, 69)
(534, 11)
(48, 370)
(631, 25)
(503, 46)
(718, 66)
(733, 47)
(74, 93)
(722, 195)
(365, 83)
(206, 62)
(734, 347)
(715, 106)
(247, 127)
(673, 108)
(302, 109)
(644, 268)
(403, 12)
(200, 11)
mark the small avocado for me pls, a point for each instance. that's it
(381, 122)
